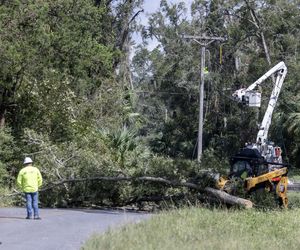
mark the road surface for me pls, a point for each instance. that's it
(61, 229)
(294, 186)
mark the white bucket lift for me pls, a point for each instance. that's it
(254, 98)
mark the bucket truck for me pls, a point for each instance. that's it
(259, 164)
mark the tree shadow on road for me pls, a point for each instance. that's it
(12, 217)
(105, 211)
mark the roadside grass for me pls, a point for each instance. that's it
(202, 228)
(294, 199)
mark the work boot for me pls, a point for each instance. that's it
(37, 218)
(28, 218)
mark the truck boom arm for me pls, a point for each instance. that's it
(240, 95)
(281, 71)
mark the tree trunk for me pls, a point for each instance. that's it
(229, 199)
(3, 110)
(2, 117)
(257, 24)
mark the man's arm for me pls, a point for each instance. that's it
(19, 179)
(40, 178)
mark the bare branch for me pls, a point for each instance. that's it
(135, 15)
(257, 24)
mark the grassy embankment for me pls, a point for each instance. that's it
(200, 228)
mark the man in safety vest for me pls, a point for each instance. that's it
(30, 179)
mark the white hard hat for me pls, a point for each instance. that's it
(27, 160)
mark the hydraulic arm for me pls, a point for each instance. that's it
(251, 97)
(259, 165)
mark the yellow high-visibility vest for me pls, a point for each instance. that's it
(29, 179)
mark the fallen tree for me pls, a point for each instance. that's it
(229, 199)
(221, 196)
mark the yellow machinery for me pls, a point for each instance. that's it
(259, 166)
(256, 173)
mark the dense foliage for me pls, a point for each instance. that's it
(71, 100)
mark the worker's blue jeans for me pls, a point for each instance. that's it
(32, 200)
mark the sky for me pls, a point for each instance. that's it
(150, 6)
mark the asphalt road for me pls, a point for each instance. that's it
(61, 229)
(294, 187)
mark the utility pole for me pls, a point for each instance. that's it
(204, 41)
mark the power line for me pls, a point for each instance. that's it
(163, 92)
